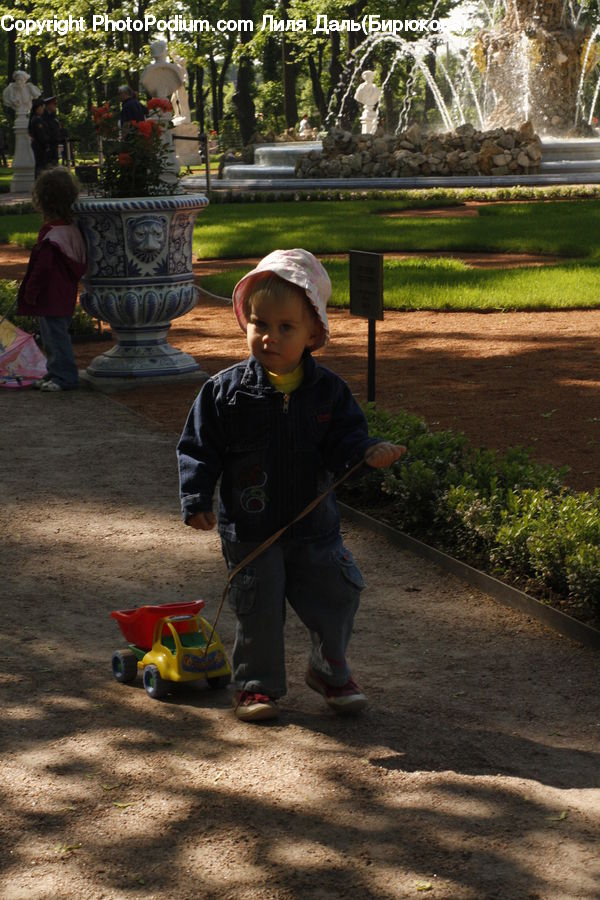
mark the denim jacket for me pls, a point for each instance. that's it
(275, 453)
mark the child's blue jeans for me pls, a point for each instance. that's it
(322, 583)
(62, 369)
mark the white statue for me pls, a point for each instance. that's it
(19, 96)
(179, 100)
(368, 94)
(161, 78)
(20, 93)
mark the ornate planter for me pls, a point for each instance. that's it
(139, 278)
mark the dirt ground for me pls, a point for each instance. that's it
(504, 379)
(475, 773)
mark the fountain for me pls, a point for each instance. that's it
(527, 61)
(533, 64)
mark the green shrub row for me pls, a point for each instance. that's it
(17, 209)
(417, 197)
(82, 325)
(503, 513)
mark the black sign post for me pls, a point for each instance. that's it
(366, 300)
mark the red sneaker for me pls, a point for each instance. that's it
(345, 700)
(250, 706)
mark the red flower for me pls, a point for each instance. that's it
(124, 159)
(160, 103)
(146, 128)
(101, 114)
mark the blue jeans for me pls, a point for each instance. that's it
(59, 351)
(322, 584)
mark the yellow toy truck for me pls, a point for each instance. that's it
(169, 643)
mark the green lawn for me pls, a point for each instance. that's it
(254, 229)
(568, 229)
(19, 229)
(445, 284)
(5, 177)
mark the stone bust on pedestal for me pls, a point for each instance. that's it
(19, 96)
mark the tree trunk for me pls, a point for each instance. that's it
(430, 62)
(197, 96)
(214, 88)
(318, 95)
(270, 60)
(290, 77)
(335, 66)
(47, 78)
(11, 56)
(221, 81)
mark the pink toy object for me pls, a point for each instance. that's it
(21, 361)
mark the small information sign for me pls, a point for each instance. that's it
(366, 284)
(366, 300)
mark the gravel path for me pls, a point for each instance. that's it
(474, 774)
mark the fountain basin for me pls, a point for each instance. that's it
(272, 161)
(283, 154)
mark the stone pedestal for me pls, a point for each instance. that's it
(187, 152)
(23, 167)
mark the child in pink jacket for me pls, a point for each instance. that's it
(57, 262)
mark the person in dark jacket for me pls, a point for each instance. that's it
(3, 147)
(53, 130)
(38, 133)
(131, 108)
(49, 288)
(274, 429)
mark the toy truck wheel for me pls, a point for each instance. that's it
(155, 684)
(218, 681)
(124, 666)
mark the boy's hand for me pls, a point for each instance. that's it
(383, 454)
(202, 521)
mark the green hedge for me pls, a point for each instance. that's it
(416, 197)
(82, 325)
(503, 513)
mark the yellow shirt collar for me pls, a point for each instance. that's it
(289, 381)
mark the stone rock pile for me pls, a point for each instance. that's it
(466, 151)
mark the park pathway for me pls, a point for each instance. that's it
(474, 774)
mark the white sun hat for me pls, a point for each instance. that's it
(299, 267)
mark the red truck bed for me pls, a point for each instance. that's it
(137, 624)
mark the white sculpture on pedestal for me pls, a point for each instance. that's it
(19, 95)
(180, 101)
(162, 79)
(186, 150)
(368, 94)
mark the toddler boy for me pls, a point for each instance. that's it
(276, 428)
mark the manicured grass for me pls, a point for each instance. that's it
(225, 231)
(254, 229)
(448, 284)
(20, 229)
(567, 229)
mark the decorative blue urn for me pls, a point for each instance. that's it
(139, 279)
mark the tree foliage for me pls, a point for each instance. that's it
(280, 69)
